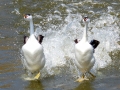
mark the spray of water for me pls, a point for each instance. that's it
(59, 45)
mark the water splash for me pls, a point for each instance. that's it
(59, 46)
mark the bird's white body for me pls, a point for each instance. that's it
(32, 50)
(84, 53)
(84, 56)
(33, 54)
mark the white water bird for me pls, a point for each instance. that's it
(84, 53)
(32, 50)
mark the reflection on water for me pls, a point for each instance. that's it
(34, 85)
(85, 86)
(60, 22)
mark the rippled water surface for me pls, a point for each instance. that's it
(60, 21)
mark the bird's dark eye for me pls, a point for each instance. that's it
(25, 16)
(85, 18)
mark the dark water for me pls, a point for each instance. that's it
(59, 20)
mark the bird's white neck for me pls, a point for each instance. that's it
(31, 27)
(85, 33)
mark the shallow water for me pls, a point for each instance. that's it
(60, 21)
